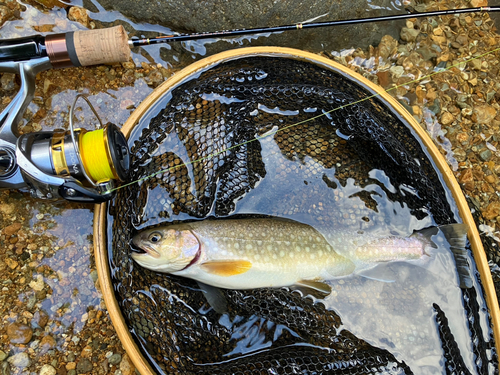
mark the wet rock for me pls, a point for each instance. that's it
(79, 15)
(40, 319)
(20, 360)
(484, 113)
(467, 179)
(211, 15)
(12, 229)
(3, 355)
(426, 53)
(7, 81)
(479, 3)
(492, 211)
(485, 154)
(19, 333)
(126, 366)
(11, 263)
(388, 46)
(48, 342)
(115, 359)
(70, 366)
(37, 284)
(47, 370)
(447, 118)
(409, 35)
(84, 366)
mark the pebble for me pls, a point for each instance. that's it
(484, 113)
(84, 366)
(126, 365)
(79, 15)
(3, 355)
(447, 118)
(37, 284)
(47, 370)
(48, 342)
(7, 81)
(40, 319)
(409, 35)
(19, 333)
(12, 229)
(20, 360)
(492, 211)
(115, 359)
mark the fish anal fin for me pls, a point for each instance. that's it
(318, 286)
(226, 267)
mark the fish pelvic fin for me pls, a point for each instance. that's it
(214, 297)
(305, 286)
(226, 268)
(456, 235)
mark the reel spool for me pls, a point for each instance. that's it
(96, 156)
(75, 164)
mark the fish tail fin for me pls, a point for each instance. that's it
(456, 235)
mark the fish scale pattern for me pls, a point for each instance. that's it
(202, 154)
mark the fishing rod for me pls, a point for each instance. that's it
(80, 165)
(305, 25)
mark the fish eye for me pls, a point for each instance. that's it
(155, 237)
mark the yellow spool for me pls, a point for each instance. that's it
(95, 155)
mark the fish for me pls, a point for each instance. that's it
(270, 252)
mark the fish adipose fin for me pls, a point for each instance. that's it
(456, 235)
(226, 267)
(214, 297)
(306, 286)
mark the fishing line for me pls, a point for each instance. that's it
(170, 169)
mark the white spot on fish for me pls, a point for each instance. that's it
(249, 246)
(236, 245)
(298, 249)
(282, 253)
(308, 249)
(270, 247)
(259, 243)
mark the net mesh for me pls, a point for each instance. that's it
(206, 136)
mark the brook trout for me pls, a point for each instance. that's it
(256, 253)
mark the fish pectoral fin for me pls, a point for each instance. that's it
(226, 267)
(318, 286)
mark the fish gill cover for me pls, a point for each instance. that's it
(356, 168)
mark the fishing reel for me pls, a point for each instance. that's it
(84, 163)
(75, 164)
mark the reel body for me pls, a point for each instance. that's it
(53, 163)
(50, 164)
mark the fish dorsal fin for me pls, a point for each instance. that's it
(226, 267)
(318, 286)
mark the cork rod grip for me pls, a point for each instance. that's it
(100, 46)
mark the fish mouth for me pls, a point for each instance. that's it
(143, 249)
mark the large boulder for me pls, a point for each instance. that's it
(188, 16)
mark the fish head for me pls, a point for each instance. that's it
(168, 249)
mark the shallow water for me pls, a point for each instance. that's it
(60, 234)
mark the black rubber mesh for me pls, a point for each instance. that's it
(168, 315)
